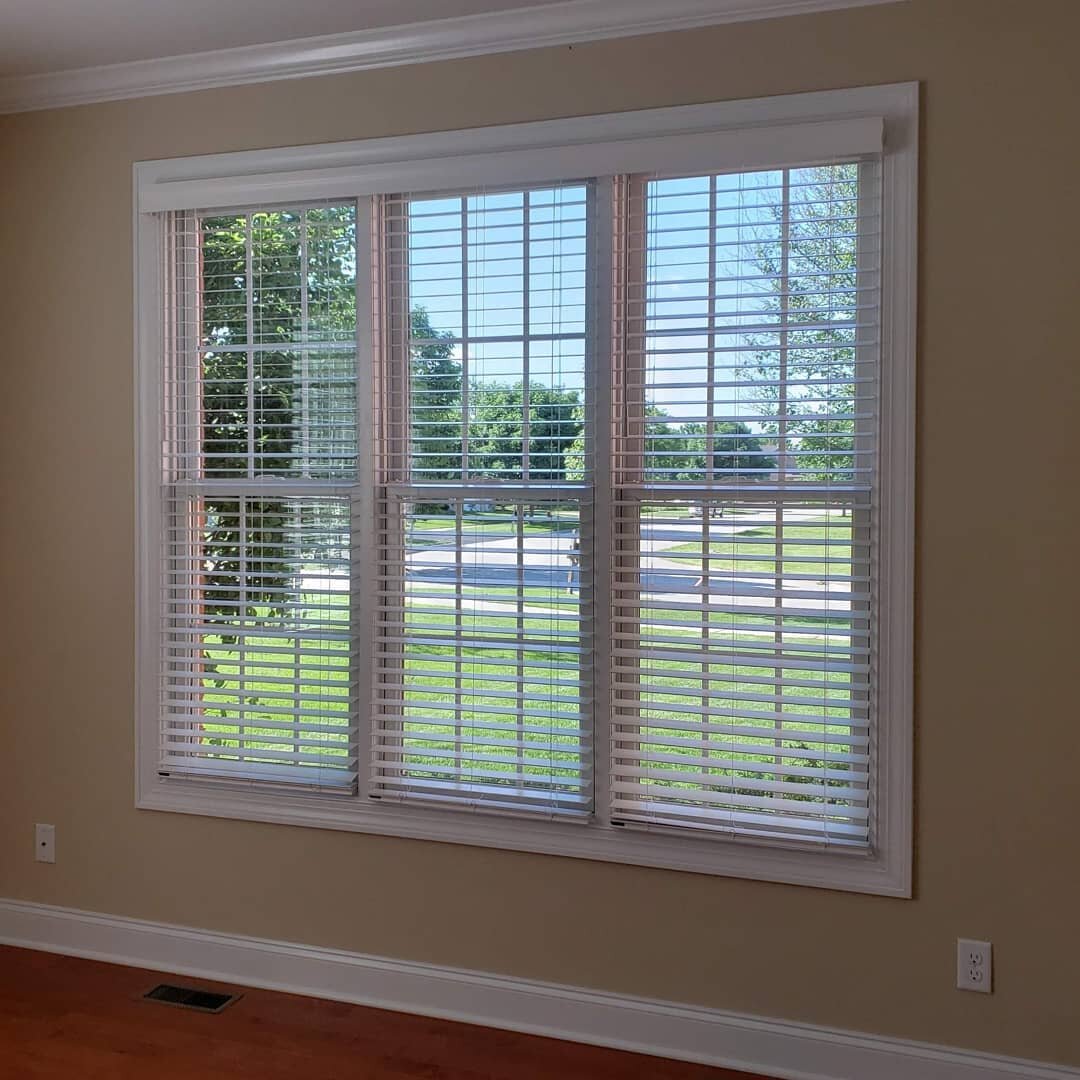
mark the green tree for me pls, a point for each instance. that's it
(666, 448)
(251, 408)
(677, 452)
(737, 453)
(819, 295)
(435, 397)
(497, 431)
(574, 457)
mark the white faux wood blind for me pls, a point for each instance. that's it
(484, 622)
(260, 455)
(483, 649)
(743, 580)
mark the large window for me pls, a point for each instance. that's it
(551, 500)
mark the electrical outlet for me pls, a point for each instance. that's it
(45, 843)
(974, 966)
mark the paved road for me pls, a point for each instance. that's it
(493, 562)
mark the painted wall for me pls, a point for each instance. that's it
(998, 800)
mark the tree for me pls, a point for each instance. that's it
(435, 399)
(257, 408)
(737, 453)
(819, 294)
(574, 458)
(497, 431)
(680, 452)
(677, 452)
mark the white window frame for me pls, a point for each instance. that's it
(761, 133)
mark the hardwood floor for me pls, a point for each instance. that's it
(62, 1017)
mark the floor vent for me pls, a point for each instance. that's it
(188, 998)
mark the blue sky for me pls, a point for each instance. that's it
(540, 293)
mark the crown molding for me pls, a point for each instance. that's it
(565, 23)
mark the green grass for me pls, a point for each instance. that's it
(537, 596)
(553, 752)
(494, 524)
(820, 548)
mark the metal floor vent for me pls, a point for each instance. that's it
(188, 998)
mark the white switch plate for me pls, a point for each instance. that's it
(974, 966)
(45, 843)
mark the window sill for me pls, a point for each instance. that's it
(565, 835)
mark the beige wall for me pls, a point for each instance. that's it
(998, 796)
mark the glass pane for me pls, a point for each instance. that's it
(752, 325)
(497, 292)
(257, 639)
(277, 363)
(485, 644)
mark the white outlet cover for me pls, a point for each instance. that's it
(974, 966)
(45, 843)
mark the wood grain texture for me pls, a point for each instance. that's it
(65, 1017)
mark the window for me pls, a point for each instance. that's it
(483, 635)
(555, 498)
(259, 456)
(744, 616)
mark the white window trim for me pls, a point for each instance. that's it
(792, 129)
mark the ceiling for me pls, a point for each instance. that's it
(38, 36)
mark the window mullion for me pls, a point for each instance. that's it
(623, 570)
(392, 463)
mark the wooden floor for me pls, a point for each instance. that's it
(61, 1017)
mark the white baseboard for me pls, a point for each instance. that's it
(777, 1048)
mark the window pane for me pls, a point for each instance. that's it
(484, 647)
(257, 642)
(277, 359)
(484, 636)
(742, 668)
(755, 313)
(496, 286)
(278, 277)
(260, 384)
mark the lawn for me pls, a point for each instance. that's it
(493, 524)
(509, 715)
(820, 549)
